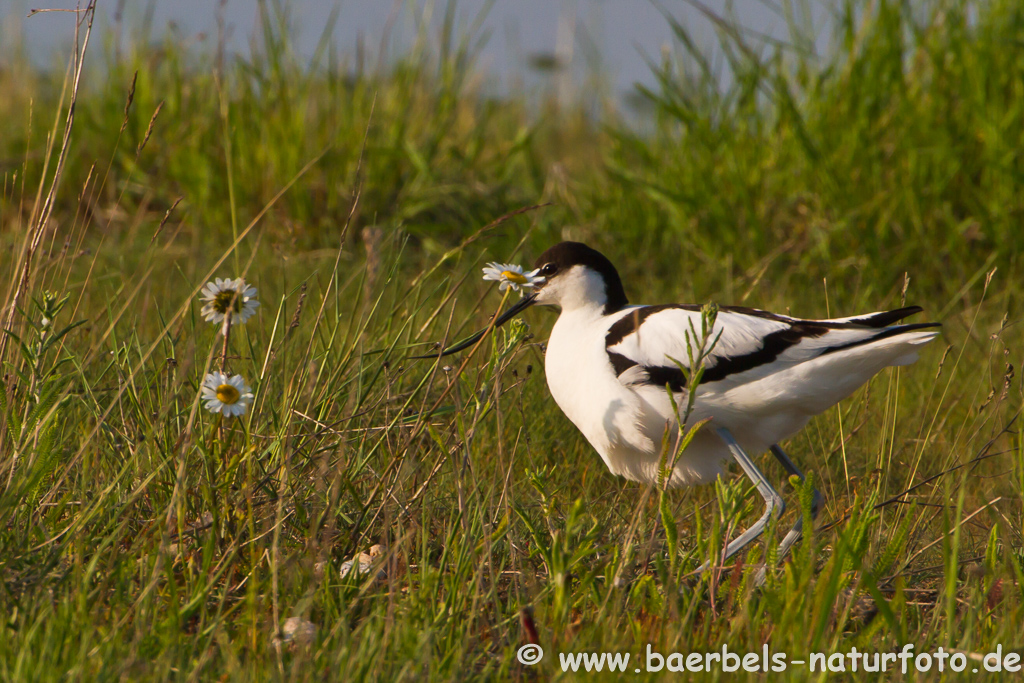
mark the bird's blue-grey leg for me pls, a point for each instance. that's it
(797, 531)
(773, 501)
(794, 534)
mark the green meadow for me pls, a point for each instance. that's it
(143, 537)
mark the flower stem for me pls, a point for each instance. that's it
(226, 330)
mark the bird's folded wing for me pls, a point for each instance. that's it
(649, 344)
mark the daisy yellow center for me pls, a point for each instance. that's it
(222, 302)
(228, 394)
(513, 276)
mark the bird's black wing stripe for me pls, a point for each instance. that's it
(660, 375)
(879, 320)
(884, 334)
(757, 313)
(620, 363)
(773, 345)
(887, 318)
(631, 322)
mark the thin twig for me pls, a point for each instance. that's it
(938, 540)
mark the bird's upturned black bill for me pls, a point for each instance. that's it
(521, 306)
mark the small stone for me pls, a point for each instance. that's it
(298, 630)
(365, 561)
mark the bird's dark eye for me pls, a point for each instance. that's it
(549, 269)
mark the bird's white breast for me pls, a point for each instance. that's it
(613, 418)
(625, 426)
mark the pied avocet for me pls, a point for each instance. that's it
(610, 367)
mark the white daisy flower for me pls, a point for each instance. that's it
(512, 275)
(228, 296)
(228, 395)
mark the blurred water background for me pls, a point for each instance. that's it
(561, 48)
